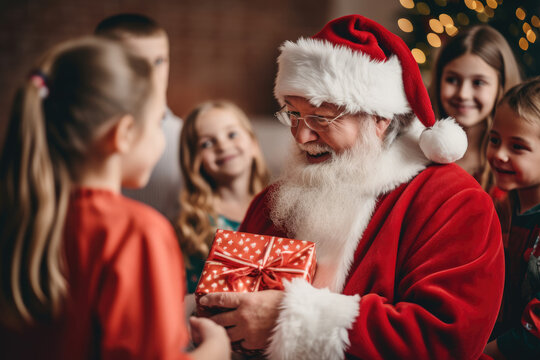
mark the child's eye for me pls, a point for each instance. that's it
(206, 144)
(519, 147)
(160, 60)
(479, 82)
(493, 140)
(451, 80)
(233, 134)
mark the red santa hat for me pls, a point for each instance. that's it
(355, 63)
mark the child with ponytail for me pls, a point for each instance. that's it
(85, 272)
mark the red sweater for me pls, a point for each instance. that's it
(126, 281)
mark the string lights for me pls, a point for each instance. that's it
(426, 24)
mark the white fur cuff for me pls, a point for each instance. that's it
(312, 323)
(322, 72)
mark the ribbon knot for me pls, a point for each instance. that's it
(263, 271)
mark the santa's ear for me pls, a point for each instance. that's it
(122, 134)
(381, 124)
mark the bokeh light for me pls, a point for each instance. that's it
(408, 4)
(482, 17)
(531, 36)
(446, 19)
(436, 26)
(523, 44)
(451, 30)
(434, 40)
(431, 23)
(479, 7)
(471, 4)
(520, 13)
(405, 25)
(491, 3)
(423, 8)
(462, 19)
(418, 55)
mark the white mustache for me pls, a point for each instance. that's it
(315, 148)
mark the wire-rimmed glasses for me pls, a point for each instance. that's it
(314, 122)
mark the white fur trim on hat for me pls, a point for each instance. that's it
(313, 323)
(444, 142)
(322, 72)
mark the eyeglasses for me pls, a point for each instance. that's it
(314, 122)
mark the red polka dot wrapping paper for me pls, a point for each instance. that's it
(244, 262)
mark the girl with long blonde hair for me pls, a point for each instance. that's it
(85, 272)
(223, 168)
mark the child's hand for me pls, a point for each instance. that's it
(251, 316)
(203, 328)
(210, 338)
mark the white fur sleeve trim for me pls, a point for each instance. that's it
(312, 323)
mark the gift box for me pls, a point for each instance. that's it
(243, 262)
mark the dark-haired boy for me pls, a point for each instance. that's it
(150, 41)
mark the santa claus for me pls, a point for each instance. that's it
(409, 252)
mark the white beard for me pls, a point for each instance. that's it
(327, 203)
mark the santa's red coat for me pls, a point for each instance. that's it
(426, 279)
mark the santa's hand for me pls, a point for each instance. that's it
(253, 318)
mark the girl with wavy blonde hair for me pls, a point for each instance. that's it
(223, 168)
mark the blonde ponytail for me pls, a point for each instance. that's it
(88, 83)
(33, 207)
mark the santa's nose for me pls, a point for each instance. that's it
(303, 134)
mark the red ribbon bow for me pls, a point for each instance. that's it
(263, 271)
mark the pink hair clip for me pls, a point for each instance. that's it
(38, 79)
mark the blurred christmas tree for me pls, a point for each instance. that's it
(426, 24)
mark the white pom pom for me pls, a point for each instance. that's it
(444, 142)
